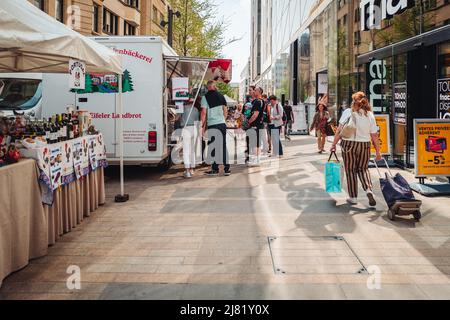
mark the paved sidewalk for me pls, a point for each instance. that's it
(263, 233)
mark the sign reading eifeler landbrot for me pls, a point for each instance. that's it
(431, 148)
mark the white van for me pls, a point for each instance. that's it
(149, 112)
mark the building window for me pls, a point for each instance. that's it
(132, 3)
(39, 4)
(155, 15)
(357, 38)
(110, 22)
(59, 10)
(95, 17)
(128, 29)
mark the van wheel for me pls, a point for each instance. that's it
(165, 165)
(391, 215)
(417, 216)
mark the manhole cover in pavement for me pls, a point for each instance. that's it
(314, 255)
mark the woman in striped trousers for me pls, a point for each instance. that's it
(356, 149)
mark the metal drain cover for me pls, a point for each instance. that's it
(314, 255)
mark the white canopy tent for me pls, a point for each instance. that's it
(32, 41)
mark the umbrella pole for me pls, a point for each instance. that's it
(122, 197)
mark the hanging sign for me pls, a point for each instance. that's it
(431, 142)
(376, 75)
(374, 11)
(443, 98)
(384, 132)
(77, 72)
(180, 89)
(400, 103)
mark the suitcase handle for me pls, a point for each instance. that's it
(378, 169)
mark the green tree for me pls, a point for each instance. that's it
(225, 89)
(198, 32)
(127, 83)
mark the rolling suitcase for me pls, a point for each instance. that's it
(398, 195)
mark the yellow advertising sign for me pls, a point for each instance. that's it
(384, 131)
(432, 138)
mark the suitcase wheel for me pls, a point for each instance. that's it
(417, 216)
(391, 215)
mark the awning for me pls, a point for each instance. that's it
(425, 39)
(32, 41)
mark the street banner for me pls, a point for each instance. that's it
(77, 72)
(443, 98)
(384, 132)
(400, 103)
(180, 89)
(431, 138)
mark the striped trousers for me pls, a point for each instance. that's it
(356, 157)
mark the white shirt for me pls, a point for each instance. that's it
(278, 122)
(365, 125)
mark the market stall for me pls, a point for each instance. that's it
(68, 154)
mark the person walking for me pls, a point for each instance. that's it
(189, 120)
(319, 124)
(356, 149)
(213, 115)
(256, 124)
(276, 117)
(265, 134)
(289, 114)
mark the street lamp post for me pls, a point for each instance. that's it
(169, 23)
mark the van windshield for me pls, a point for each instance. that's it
(19, 94)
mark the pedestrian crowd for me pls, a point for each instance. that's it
(263, 119)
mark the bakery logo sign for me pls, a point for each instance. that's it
(134, 54)
(373, 12)
(77, 72)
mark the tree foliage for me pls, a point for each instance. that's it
(198, 32)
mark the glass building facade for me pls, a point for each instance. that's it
(382, 47)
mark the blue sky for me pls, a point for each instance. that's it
(237, 12)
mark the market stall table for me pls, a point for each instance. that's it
(23, 222)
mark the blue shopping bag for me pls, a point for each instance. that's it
(333, 178)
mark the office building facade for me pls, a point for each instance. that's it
(382, 47)
(108, 17)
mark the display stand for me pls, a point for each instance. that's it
(431, 189)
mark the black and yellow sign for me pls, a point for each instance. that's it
(432, 138)
(384, 132)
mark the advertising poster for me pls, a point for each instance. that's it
(67, 163)
(56, 159)
(300, 124)
(84, 157)
(384, 131)
(431, 145)
(443, 98)
(100, 148)
(400, 103)
(78, 157)
(92, 143)
(180, 89)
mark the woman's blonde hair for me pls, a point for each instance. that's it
(360, 102)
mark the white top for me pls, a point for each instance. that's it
(278, 121)
(365, 125)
